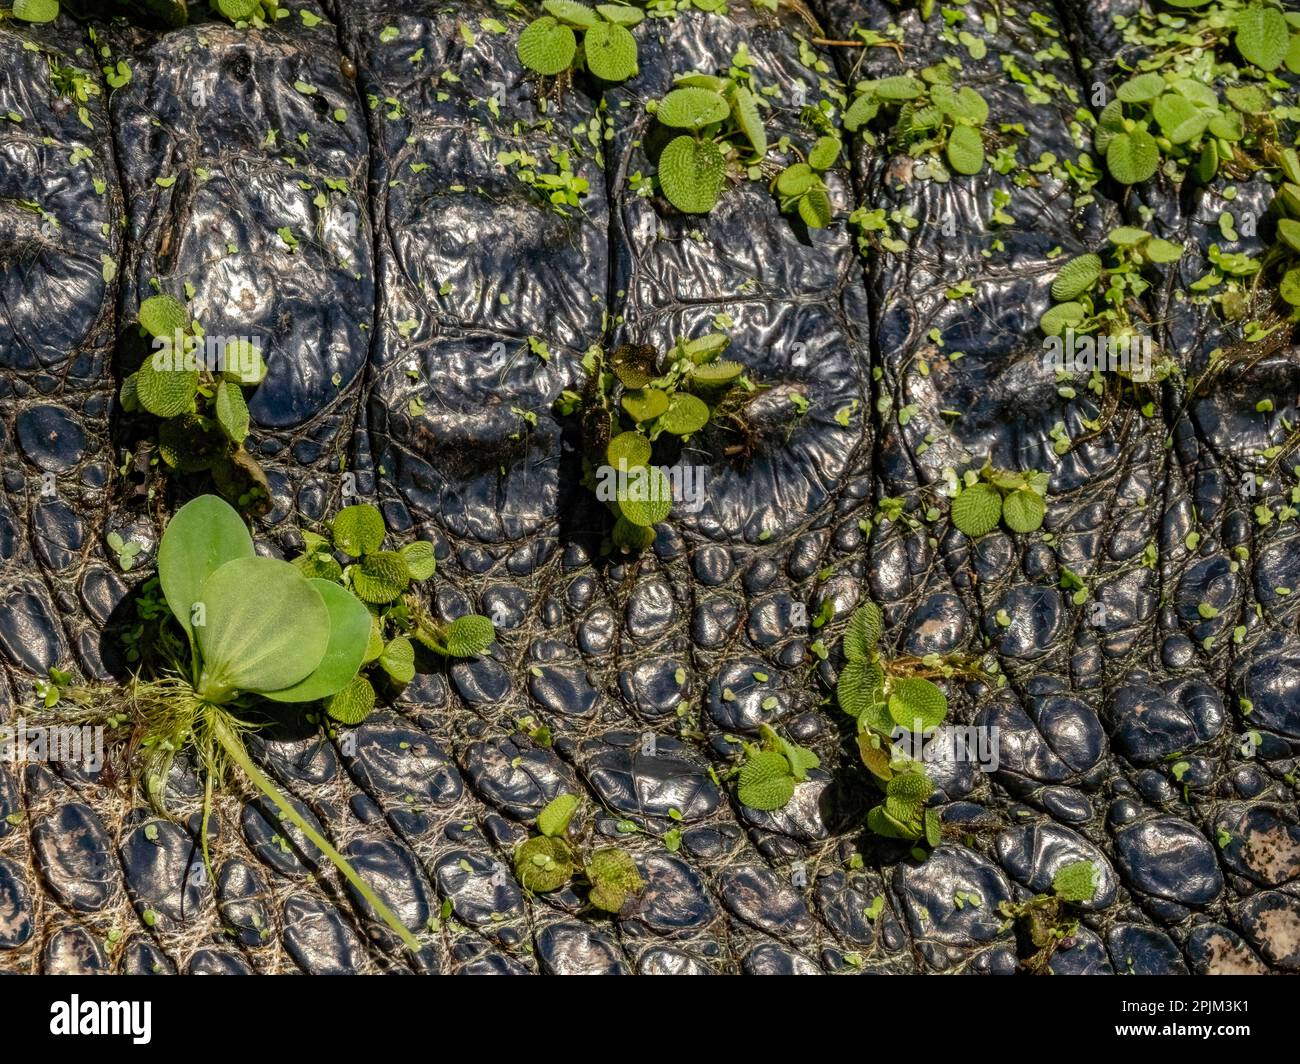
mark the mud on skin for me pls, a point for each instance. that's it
(397, 331)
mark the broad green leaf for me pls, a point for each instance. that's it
(1142, 89)
(860, 112)
(1123, 236)
(933, 828)
(645, 404)
(1132, 157)
(815, 209)
(691, 173)
(744, 109)
(543, 864)
(628, 449)
(358, 529)
(1163, 251)
(237, 10)
(685, 415)
(824, 153)
(1076, 277)
(267, 627)
(553, 820)
(1179, 119)
(165, 392)
(1262, 36)
(691, 108)
(712, 374)
(1207, 165)
(623, 16)
(1289, 230)
(380, 577)
(1076, 882)
(571, 11)
(163, 316)
(420, 560)
(965, 150)
(614, 877)
(1023, 511)
(917, 704)
(546, 46)
(1293, 54)
(879, 821)
(231, 411)
(971, 106)
(201, 537)
(796, 179)
(36, 10)
(610, 51)
(470, 636)
(976, 510)
(353, 703)
(859, 686)
(765, 782)
(863, 632)
(1061, 317)
(648, 498)
(1248, 99)
(1289, 287)
(398, 659)
(898, 87)
(349, 633)
(874, 755)
(375, 646)
(708, 347)
(905, 797)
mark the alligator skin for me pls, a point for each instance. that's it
(397, 335)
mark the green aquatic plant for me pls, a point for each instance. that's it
(1047, 920)
(253, 629)
(723, 132)
(923, 115)
(1182, 123)
(552, 860)
(634, 403)
(990, 495)
(772, 769)
(550, 45)
(801, 189)
(195, 386)
(382, 579)
(887, 699)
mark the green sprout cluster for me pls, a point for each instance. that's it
(204, 415)
(801, 188)
(551, 861)
(882, 699)
(724, 132)
(1180, 122)
(633, 400)
(925, 115)
(549, 45)
(381, 579)
(1101, 292)
(991, 495)
(772, 769)
(1047, 919)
